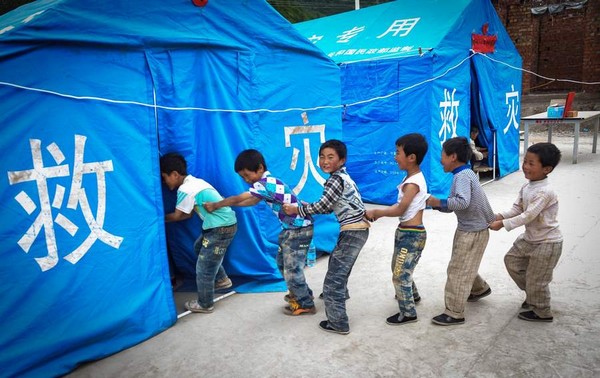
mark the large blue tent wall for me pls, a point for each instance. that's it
(92, 93)
(406, 63)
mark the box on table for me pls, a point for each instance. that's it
(555, 111)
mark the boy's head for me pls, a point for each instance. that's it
(173, 169)
(332, 155)
(474, 132)
(413, 145)
(455, 152)
(540, 159)
(250, 165)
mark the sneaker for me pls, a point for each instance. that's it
(526, 306)
(446, 320)
(194, 306)
(533, 317)
(294, 309)
(324, 325)
(476, 297)
(398, 319)
(289, 297)
(416, 299)
(347, 296)
(224, 283)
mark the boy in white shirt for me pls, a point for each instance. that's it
(410, 235)
(534, 255)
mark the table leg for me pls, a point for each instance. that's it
(525, 136)
(550, 132)
(576, 143)
(597, 123)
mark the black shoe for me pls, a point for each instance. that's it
(526, 306)
(417, 299)
(398, 319)
(475, 298)
(533, 317)
(324, 325)
(347, 296)
(447, 320)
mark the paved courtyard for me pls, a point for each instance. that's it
(249, 336)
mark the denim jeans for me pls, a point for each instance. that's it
(210, 248)
(408, 245)
(341, 261)
(291, 258)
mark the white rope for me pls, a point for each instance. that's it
(155, 106)
(538, 75)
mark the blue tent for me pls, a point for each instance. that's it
(92, 93)
(408, 66)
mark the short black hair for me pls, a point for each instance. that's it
(173, 162)
(251, 160)
(548, 153)
(413, 143)
(337, 145)
(460, 147)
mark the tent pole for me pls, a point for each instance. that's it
(217, 298)
(493, 161)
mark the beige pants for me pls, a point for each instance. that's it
(531, 267)
(463, 279)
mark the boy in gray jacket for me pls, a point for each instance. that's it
(473, 213)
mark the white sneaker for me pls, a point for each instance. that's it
(194, 306)
(224, 283)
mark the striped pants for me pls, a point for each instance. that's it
(463, 279)
(531, 267)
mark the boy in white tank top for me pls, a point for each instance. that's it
(410, 235)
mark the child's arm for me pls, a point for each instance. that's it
(436, 204)
(244, 199)
(332, 191)
(460, 198)
(537, 204)
(177, 216)
(515, 210)
(410, 191)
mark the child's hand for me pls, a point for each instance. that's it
(499, 217)
(209, 206)
(370, 216)
(432, 202)
(496, 225)
(290, 209)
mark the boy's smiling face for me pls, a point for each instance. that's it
(401, 158)
(329, 160)
(533, 169)
(449, 162)
(250, 177)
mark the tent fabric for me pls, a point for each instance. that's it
(92, 94)
(406, 67)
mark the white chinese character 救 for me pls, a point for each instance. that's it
(77, 198)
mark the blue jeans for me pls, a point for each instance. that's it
(210, 248)
(408, 245)
(291, 258)
(341, 261)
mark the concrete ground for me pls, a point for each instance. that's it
(249, 336)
